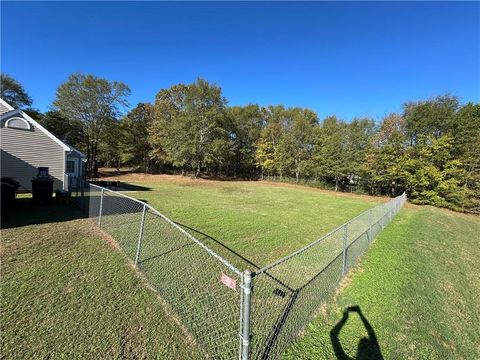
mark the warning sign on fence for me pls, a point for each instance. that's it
(228, 281)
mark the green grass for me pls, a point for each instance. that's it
(67, 294)
(260, 221)
(418, 287)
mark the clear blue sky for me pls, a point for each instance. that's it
(336, 58)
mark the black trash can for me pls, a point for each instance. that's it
(42, 187)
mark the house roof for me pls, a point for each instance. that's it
(6, 110)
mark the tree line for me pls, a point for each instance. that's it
(430, 149)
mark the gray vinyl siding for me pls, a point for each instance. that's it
(22, 151)
(4, 109)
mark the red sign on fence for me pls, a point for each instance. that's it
(228, 281)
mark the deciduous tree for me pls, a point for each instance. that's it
(94, 102)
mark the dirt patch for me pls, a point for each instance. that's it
(91, 229)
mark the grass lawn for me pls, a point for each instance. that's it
(66, 293)
(419, 289)
(260, 221)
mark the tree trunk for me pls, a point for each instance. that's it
(297, 170)
(336, 183)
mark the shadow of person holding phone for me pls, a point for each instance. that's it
(368, 347)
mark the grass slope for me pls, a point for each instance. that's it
(418, 287)
(67, 294)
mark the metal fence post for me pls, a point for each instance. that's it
(82, 196)
(370, 225)
(245, 321)
(101, 210)
(140, 235)
(345, 238)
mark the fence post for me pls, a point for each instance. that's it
(101, 210)
(370, 224)
(245, 320)
(345, 238)
(140, 235)
(82, 196)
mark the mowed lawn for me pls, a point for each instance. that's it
(260, 221)
(419, 289)
(67, 293)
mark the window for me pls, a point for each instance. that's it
(70, 166)
(18, 123)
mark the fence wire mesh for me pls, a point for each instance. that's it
(207, 295)
(185, 274)
(288, 293)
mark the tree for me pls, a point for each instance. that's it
(467, 149)
(189, 127)
(330, 151)
(134, 128)
(358, 133)
(434, 176)
(296, 145)
(70, 131)
(244, 124)
(94, 102)
(268, 159)
(386, 157)
(34, 113)
(13, 92)
(110, 150)
(434, 117)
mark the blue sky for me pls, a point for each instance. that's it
(349, 59)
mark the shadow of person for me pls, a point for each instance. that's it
(368, 347)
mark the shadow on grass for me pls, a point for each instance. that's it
(237, 259)
(368, 347)
(234, 257)
(117, 185)
(24, 212)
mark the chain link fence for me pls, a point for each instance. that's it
(201, 290)
(228, 313)
(290, 292)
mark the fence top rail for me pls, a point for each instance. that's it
(171, 222)
(301, 250)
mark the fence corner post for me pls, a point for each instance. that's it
(100, 210)
(345, 240)
(140, 235)
(245, 320)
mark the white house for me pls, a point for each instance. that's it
(26, 145)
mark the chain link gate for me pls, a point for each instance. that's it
(228, 313)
